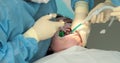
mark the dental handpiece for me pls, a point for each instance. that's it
(90, 16)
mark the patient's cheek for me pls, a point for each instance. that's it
(67, 41)
(59, 44)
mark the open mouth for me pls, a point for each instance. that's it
(63, 32)
(66, 30)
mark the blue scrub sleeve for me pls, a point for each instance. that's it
(18, 50)
(116, 2)
(14, 20)
(90, 3)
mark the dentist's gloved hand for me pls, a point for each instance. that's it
(116, 12)
(104, 16)
(40, 1)
(44, 28)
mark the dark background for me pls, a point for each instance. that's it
(108, 41)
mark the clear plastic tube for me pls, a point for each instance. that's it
(90, 16)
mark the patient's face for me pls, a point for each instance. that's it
(69, 40)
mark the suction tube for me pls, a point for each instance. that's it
(90, 16)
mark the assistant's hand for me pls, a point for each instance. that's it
(104, 16)
(81, 12)
(116, 12)
(44, 28)
(83, 30)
